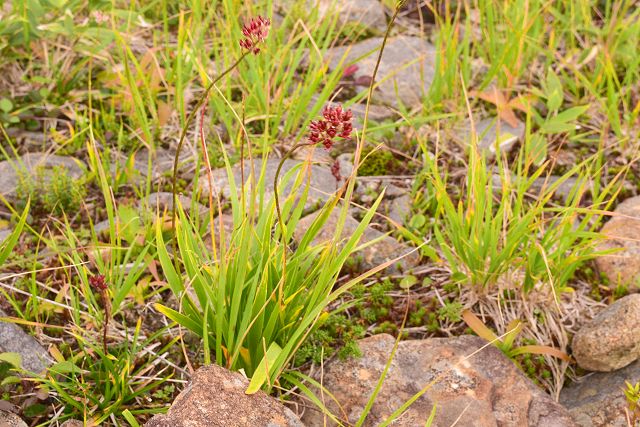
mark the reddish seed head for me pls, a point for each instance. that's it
(255, 32)
(335, 170)
(350, 70)
(98, 282)
(335, 123)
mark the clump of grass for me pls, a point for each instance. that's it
(51, 190)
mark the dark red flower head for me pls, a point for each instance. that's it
(98, 282)
(335, 123)
(255, 32)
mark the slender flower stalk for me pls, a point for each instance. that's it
(255, 32)
(99, 283)
(335, 123)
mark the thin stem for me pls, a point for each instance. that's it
(107, 314)
(275, 181)
(279, 210)
(183, 135)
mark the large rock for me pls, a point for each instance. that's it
(406, 70)
(611, 340)
(622, 233)
(486, 389)
(369, 14)
(382, 251)
(216, 397)
(9, 419)
(598, 400)
(322, 183)
(14, 340)
(29, 165)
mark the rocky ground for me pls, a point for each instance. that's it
(438, 364)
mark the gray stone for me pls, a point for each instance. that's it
(382, 251)
(492, 133)
(161, 162)
(29, 164)
(9, 419)
(322, 183)
(163, 201)
(598, 399)
(216, 397)
(622, 233)
(369, 14)
(611, 340)
(400, 208)
(486, 389)
(407, 66)
(13, 339)
(4, 233)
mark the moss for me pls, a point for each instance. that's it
(378, 162)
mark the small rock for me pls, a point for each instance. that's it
(163, 201)
(487, 131)
(161, 163)
(322, 182)
(541, 185)
(400, 208)
(598, 400)
(623, 234)
(4, 233)
(29, 163)
(403, 82)
(9, 419)
(386, 249)
(216, 397)
(72, 423)
(611, 340)
(13, 339)
(486, 389)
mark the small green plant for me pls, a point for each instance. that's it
(632, 394)
(51, 190)
(96, 385)
(506, 343)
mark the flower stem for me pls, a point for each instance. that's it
(183, 135)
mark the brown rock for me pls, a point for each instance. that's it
(598, 400)
(484, 390)
(382, 251)
(622, 232)
(216, 397)
(611, 340)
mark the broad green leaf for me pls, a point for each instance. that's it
(14, 359)
(263, 370)
(554, 94)
(6, 105)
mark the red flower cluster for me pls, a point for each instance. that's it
(255, 32)
(98, 282)
(335, 123)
